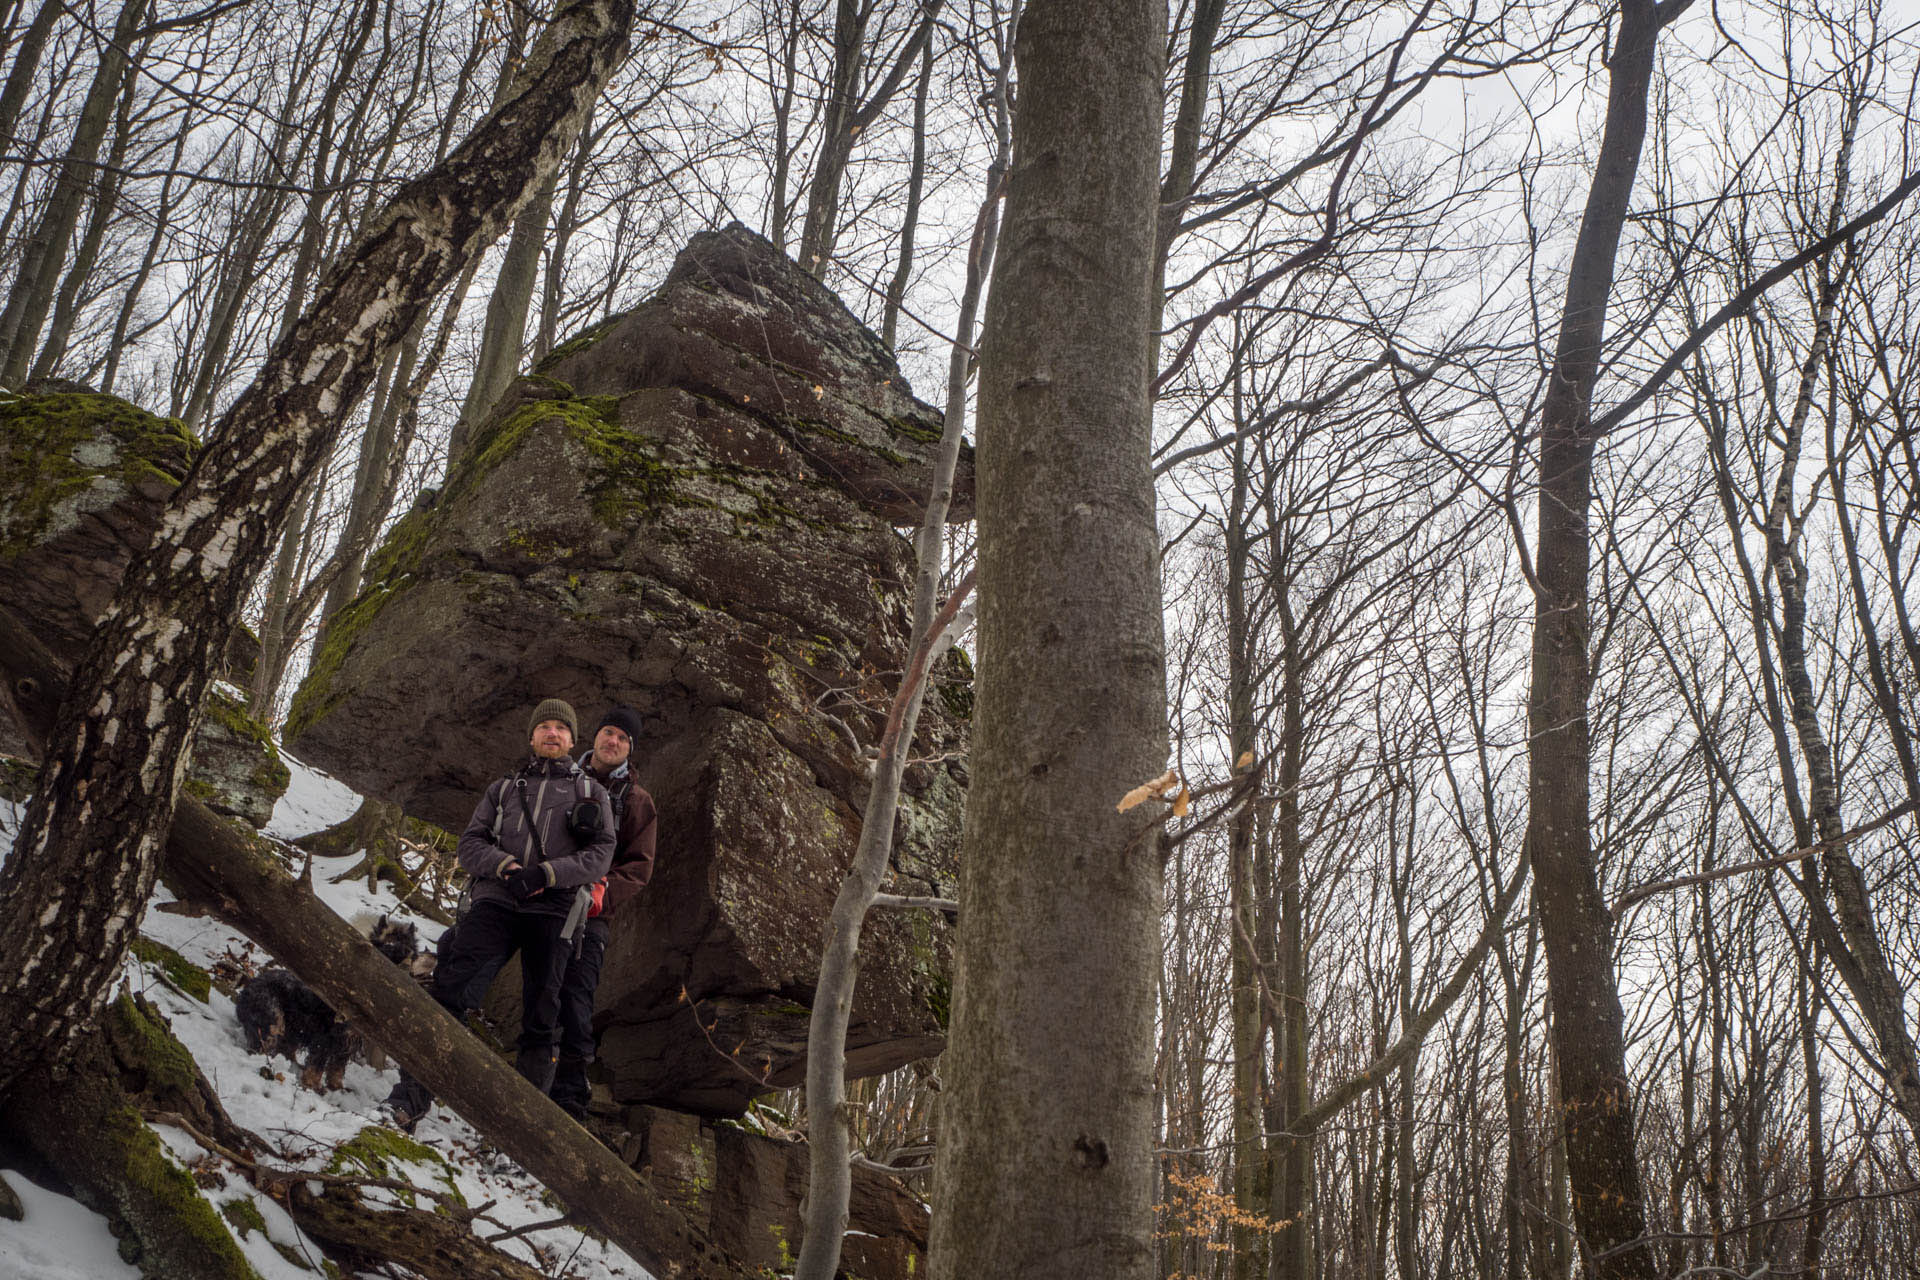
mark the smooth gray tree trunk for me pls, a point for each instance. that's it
(1046, 1162)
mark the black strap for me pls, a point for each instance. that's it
(533, 828)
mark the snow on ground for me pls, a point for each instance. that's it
(59, 1239)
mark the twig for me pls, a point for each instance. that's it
(564, 1220)
(891, 1171)
(258, 1172)
(1635, 896)
(694, 1006)
(902, 900)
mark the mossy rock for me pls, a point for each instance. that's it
(236, 770)
(69, 453)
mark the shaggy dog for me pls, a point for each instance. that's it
(281, 1014)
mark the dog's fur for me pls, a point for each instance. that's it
(281, 1014)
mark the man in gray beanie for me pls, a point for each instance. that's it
(538, 838)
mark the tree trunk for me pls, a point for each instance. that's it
(1250, 1189)
(552, 290)
(46, 250)
(88, 848)
(72, 295)
(1596, 1098)
(1859, 955)
(823, 194)
(1291, 1148)
(505, 334)
(25, 63)
(277, 629)
(1046, 1161)
(910, 216)
(846, 118)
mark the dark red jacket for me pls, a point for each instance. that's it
(634, 832)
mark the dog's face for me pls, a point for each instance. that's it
(396, 941)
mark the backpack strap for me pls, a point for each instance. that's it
(499, 808)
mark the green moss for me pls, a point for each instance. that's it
(379, 1152)
(17, 778)
(905, 428)
(316, 695)
(244, 1214)
(181, 973)
(581, 341)
(140, 1036)
(779, 1234)
(940, 999)
(44, 469)
(551, 384)
(292, 1255)
(169, 1193)
(272, 775)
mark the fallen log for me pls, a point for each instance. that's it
(232, 874)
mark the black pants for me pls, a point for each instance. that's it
(489, 935)
(570, 1087)
(470, 955)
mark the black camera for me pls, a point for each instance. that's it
(583, 821)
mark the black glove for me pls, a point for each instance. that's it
(524, 882)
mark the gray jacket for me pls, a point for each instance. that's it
(499, 833)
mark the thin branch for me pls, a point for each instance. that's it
(902, 900)
(1635, 896)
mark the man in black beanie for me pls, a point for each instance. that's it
(609, 763)
(540, 836)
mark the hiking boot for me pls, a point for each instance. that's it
(537, 1065)
(570, 1088)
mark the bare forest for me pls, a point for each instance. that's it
(1533, 423)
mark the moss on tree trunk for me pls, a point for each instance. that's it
(88, 1126)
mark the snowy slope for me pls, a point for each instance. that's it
(61, 1240)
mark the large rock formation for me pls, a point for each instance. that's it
(83, 478)
(688, 509)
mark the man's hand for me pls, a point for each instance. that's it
(525, 882)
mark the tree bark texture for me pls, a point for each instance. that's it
(1596, 1098)
(1046, 1162)
(85, 858)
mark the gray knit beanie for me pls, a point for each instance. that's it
(554, 709)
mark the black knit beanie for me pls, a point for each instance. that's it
(625, 719)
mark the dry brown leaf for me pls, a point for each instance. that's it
(1246, 758)
(1183, 803)
(1148, 791)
